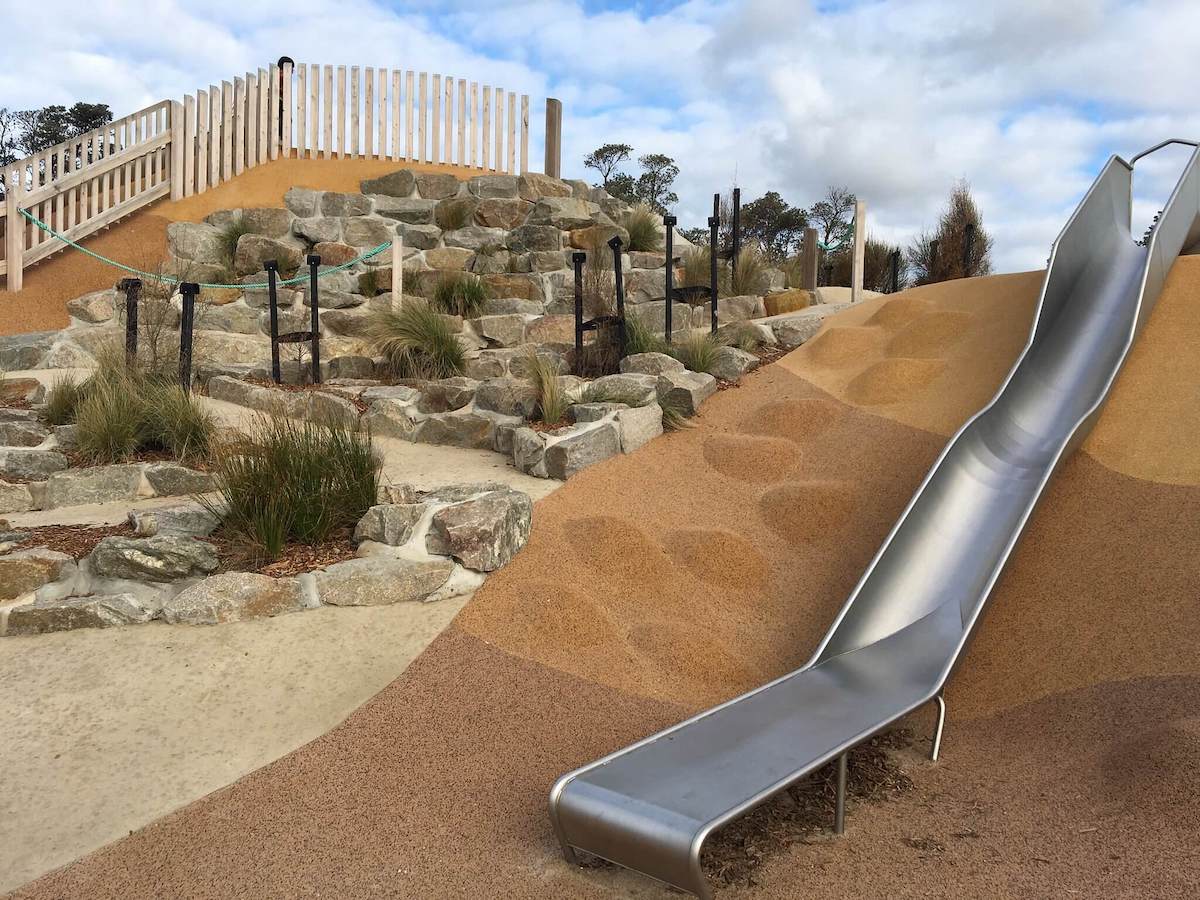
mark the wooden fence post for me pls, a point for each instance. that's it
(553, 137)
(14, 230)
(809, 257)
(177, 179)
(397, 272)
(860, 241)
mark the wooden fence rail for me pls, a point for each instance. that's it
(185, 148)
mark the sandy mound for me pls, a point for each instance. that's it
(838, 346)
(810, 512)
(796, 420)
(755, 459)
(704, 552)
(900, 311)
(894, 381)
(931, 335)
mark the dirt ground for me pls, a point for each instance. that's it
(657, 583)
(140, 240)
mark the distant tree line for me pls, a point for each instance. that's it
(25, 132)
(776, 227)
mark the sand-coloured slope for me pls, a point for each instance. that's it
(141, 239)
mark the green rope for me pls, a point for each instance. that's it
(171, 279)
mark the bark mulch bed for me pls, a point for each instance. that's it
(76, 540)
(234, 555)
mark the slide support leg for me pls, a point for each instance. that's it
(937, 731)
(839, 812)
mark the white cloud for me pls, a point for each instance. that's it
(896, 100)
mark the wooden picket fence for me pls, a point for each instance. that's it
(299, 111)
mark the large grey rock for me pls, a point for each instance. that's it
(733, 332)
(333, 299)
(353, 321)
(232, 597)
(508, 396)
(254, 250)
(34, 465)
(319, 229)
(448, 258)
(596, 237)
(505, 214)
(184, 519)
(503, 330)
(446, 394)
(195, 241)
(24, 351)
(379, 581)
(98, 306)
(343, 205)
(271, 221)
(504, 306)
(411, 210)
(15, 497)
(651, 364)
(226, 347)
(644, 285)
(350, 366)
(99, 484)
(91, 611)
(631, 388)
(365, 233)
(529, 451)
(529, 238)
(433, 186)
(535, 186)
(523, 286)
(793, 329)
(304, 202)
(391, 392)
(473, 237)
(551, 329)
(685, 390)
(586, 446)
(257, 298)
(389, 523)
(547, 260)
(485, 186)
(400, 183)
(732, 363)
(392, 418)
(169, 479)
(646, 260)
(639, 425)
(422, 237)
(235, 317)
(460, 428)
(594, 412)
(455, 212)
(24, 571)
(67, 355)
(22, 434)
(483, 533)
(160, 558)
(565, 213)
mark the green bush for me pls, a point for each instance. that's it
(228, 239)
(639, 338)
(63, 399)
(123, 412)
(416, 341)
(744, 337)
(642, 224)
(552, 401)
(697, 351)
(460, 295)
(293, 481)
(751, 268)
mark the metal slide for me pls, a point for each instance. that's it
(898, 638)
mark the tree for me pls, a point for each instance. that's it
(85, 117)
(38, 129)
(777, 227)
(605, 160)
(877, 266)
(943, 254)
(653, 186)
(8, 147)
(623, 187)
(832, 216)
(698, 236)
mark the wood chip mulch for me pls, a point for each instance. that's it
(806, 809)
(234, 556)
(76, 540)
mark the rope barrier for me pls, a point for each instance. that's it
(171, 279)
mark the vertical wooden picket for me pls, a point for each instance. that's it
(201, 141)
(369, 112)
(382, 95)
(301, 110)
(226, 131)
(314, 103)
(286, 111)
(487, 124)
(189, 145)
(473, 112)
(499, 130)
(408, 115)
(422, 92)
(264, 115)
(524, 133)
(327, 146)
(461, 159)
(448, 156)
(251, 120)
(512, 132)
(274, 112)
(340, 103)
(395, 113)
(437, 119)
(354, 104)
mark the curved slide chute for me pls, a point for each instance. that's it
(898, 638)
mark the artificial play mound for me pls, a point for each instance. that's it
(714, 559)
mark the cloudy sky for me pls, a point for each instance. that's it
(895, 99)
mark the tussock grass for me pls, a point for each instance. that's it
(642, 224)
(460, 295)
(63, 399)
(293, 481)
(639, 338)
(229, 237)
(416, 341)
(697, 351)
(552, 401)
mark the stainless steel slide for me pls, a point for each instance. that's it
(896, 641)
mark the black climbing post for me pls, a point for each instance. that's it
(189, 290)
(577, 259)
(737, 231)
(283, 60)
(714, 222)
(272, 268)
(895, 271)
(619, 287)
(133, 289)
(669, 223)
(314, 262)
(968, 249)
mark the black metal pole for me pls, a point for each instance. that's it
(577, 259)
(714, 222)
(314, 263)
(737, 231)
(189, 290)
(282, 61)
(132, 288)
(895, 271)
(968, 249)
(619, 286)
(669, 222)
(272, 267)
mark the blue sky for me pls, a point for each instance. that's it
(896, 100)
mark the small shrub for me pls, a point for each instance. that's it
(696, 270)
(639, 338)
(751, 269)
(743, 337)
(416, 341)
(63, 399)
(552, 401)
(229, 237)
(460, 295)
(293, 481)
(697, 351)
(642, 224)
(674, 418)
(176, 422)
